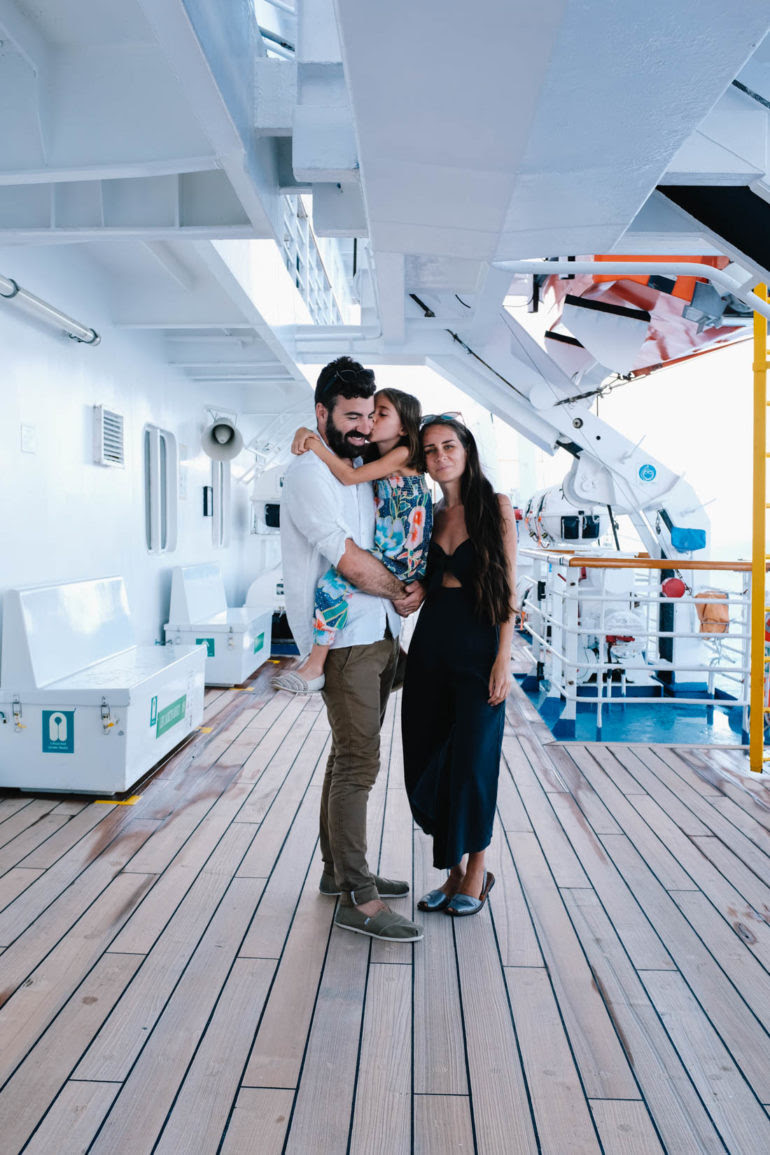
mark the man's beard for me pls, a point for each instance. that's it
(339, 444)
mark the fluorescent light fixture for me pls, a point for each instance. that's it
(48, 313)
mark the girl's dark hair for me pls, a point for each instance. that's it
(484, 520)
(409, 411)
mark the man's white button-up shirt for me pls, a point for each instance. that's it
(318, 515)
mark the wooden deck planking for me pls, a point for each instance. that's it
(732, 906)
(728, 1010)
(202, 1107)
(27, 1095)
(68, 836)
(324, 1101)
(634, 928)
(753, 890)
(395, 840)
(711, 818)
(600, 1057)
(270, 926)
(511, 809)
(74, 1119)
(501, 1109)
(46, 988)
(443, 1125)
(279, 1045)
(743, 1123)
(561, 857)
(24, 818)
(258, 1123)
(439, 1043)
(608, 758)
(625, 1127)
(28, 840)
(382, 1116)
(118, 1044)
(14, 882)
(625, 807)
(753, 796)
(12, 804)
(625, 934)
(516, 938)
(167, 1048)
(729, 949)
(561, 1113)
(663, 1080)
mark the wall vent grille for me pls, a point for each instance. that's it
(109, 448)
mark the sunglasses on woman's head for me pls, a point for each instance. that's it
(435, 418)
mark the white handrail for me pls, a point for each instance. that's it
(717, 277)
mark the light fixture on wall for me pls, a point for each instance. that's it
(11, 291)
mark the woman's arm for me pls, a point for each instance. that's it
(500, 677)
(347, 473)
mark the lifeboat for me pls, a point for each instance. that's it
(632, 325)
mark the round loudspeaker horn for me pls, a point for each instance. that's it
(221, 440)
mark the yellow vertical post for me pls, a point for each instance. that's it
(758, 561)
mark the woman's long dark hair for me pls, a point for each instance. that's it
(409, 410)
(492, 586)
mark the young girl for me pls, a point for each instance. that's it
(402, 523)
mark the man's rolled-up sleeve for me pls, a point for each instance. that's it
(316, 510)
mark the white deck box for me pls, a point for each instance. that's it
(236, 640)
(83, 708)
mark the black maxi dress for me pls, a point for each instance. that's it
(452, 737)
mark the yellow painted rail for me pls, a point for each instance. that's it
(758, 553)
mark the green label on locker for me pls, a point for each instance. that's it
(170, 715)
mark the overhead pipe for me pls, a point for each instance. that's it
(721, 280)
(53, 316)
(275, 39)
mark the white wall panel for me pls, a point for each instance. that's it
(63, 517)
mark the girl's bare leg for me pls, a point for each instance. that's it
(313, 665)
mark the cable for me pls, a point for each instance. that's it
(486, 364)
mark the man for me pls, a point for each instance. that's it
(323, 521)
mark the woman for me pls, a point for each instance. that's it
(458, 673)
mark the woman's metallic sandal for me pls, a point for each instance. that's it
(461, 905)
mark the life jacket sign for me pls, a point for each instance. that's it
(208, 643)
(58, 731)
(647, 472)
(259, 642)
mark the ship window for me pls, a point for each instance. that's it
(160, 489)
(220, 525)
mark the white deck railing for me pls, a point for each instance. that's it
(605, 625)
